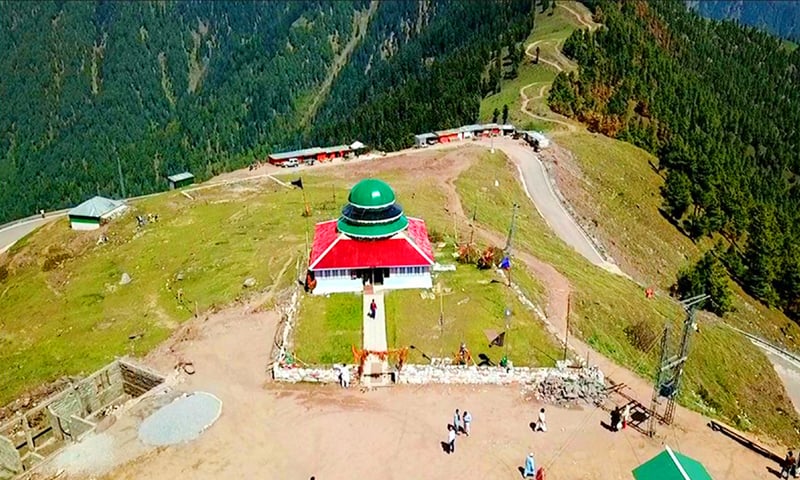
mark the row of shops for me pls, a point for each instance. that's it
(485, 130)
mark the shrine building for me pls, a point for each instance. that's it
(373, 242)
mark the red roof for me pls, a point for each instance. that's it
(406, 249)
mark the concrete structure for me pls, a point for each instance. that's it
(373, 242)
(461, 133)
(425, 139)
(536, 139)
(68, 416)
(180, 180)
(94, 212)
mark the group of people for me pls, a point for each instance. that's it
(461, 423)
(790, 465)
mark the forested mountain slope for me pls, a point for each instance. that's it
(152, 88)
(780, 17)
(720, 106)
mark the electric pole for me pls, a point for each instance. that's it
(671, 367)
(507, 249)
(121, 181)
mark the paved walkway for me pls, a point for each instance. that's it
(374, 328)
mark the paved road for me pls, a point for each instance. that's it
(541, 192)
(10, 234)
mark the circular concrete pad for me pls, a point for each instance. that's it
(182, 420)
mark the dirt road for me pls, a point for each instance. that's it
(295, 432)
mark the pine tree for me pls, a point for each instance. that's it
(677, 194)
(707, 276)
(505, 114)
(495, 115)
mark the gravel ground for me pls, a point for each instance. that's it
(92, 456)
(181, 421)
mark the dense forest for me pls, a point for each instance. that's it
(111, 97)
(780, 17)
(719, 104)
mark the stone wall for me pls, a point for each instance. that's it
(309, 375)
(90, 394)
(573, 382)
(472, 375)
(10, 462)
(136, 379)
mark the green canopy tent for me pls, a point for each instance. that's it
(669, 465)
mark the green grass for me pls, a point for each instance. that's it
(328, 327)
(619, 192)
(549, 30)
(727, 377)
(76, 317)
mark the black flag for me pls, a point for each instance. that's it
(298, 183)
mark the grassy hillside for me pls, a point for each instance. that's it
(95, 91)
(727, 377)
(550, 31)
(615, 191)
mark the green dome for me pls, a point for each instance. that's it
(371, 193)
(372, 232)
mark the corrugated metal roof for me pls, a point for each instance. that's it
(306, 152)
(180, 176)
(95, 207)
(450, 131)
(337, 148)
(407, 249)
(425, 136)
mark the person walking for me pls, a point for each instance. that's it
(789, 464)
(541, 423)
(456, 421)
(467, 421)
(345, 376)
(530, 466)
(373, 308)
(451, 439)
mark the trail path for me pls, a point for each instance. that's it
(360, 24)
(582, 18)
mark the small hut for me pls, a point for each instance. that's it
(180, 180)
(94, 212)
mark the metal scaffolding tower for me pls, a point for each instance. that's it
(670, 371)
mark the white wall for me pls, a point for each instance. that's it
(347, 285)
(408, 281)
(338, 285)
(84, 226)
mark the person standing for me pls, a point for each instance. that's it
(451, 439)
(615, 419)
(373, 308)
(541, 424)
(467, 421)
(626, 416)
(530, 466)
(345, 376)
(456, 421)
